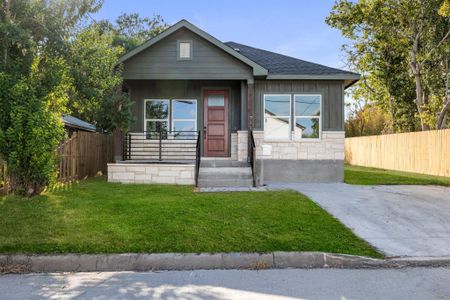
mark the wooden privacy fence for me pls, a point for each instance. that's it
(84, 155)
(426, 152)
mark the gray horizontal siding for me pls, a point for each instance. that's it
(332, 97)
(208, 62)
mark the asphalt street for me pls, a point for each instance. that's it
(413, 283)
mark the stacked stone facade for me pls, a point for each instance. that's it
(329, 147)
(152, 173)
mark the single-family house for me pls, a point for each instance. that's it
(226, 114)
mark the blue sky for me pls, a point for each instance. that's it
(292, 27)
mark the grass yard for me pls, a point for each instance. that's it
(372, 176)
(94, 216)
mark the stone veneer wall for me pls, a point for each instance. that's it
(239, 145)
(234, 145)
(152, 173)
(329, 147)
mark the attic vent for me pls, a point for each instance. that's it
(184, 50)
(237, 49)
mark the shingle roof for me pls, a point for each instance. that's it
(279, 64)
(77, 123)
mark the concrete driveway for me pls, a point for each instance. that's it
(399, 220)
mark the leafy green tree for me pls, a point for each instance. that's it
(365, 119)
(98, 96)
(34, 86)
(94, 56)
(131, 30)
(400, 46)
(28, 144)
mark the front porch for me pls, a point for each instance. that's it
(170, 157)
(180, 123)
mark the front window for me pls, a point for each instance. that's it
(184, 118)
(277, 117)
(156, 118)
(178, 116)
(304, 113)
(307, 116)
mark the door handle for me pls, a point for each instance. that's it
(204, 132)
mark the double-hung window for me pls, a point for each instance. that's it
(184, 118)
(156, 118)
(307, 124)
(177, 116)
(292, 116)
(277, 117)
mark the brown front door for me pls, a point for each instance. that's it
(216, 123)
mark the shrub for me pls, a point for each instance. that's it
(32, 127)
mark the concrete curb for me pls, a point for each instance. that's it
(19, 263)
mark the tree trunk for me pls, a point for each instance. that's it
(391, 112)
(415, 67)
(442, 117)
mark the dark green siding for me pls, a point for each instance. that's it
(208, 62)
(332, 98)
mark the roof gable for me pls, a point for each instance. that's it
(257, 69)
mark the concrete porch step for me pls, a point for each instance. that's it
(225, 177)
(219, 163)
(226, 173)
(214, 182)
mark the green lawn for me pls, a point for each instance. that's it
(372, 176)
(94, 216)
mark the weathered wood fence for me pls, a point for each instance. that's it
(84, 155)
(426, 152)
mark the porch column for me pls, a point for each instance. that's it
(250, 101)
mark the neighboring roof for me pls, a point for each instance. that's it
(257, 69)
(73, 122)
(286, 67)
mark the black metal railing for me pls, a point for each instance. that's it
(160, 146)
(198, 154)
(252, 156)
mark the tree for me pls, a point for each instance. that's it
(130, 30)
(94, 56)
(399, 46)
(34, 86)
(365, 119)
(28, 144)
(98, 97)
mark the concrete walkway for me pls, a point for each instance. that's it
(417, 283)
(399, 220)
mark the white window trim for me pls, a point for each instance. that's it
(309, 117)
(278, 117)
(156, 120)
(196, 113)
